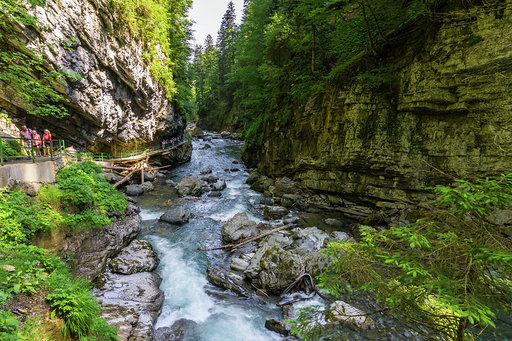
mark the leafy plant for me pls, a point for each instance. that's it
(447, 272)
(27, 269)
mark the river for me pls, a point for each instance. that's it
(217, 314)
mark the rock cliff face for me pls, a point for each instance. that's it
(448, 114)
(116, 104)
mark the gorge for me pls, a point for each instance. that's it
(376, 134)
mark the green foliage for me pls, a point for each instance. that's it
(8, 325)
(35, 269)
(11, 148)
(75, 305)
(82, 200)
(18, 217)
(164, 30)
(474, 39)
(85, 191)
(25, 73)
(440, 272)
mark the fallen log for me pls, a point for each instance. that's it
(126, 178)
(246, 240)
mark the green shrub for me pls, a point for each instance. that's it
(84, 190)
(18, 217)
(8, 325)
(70, 298)
(11, 148)
(446, 272)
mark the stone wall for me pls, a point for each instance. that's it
(448, 115)
(116, 104)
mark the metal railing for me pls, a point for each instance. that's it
(12, 148)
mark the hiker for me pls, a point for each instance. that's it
(47, 142)
(26, 137)
(36, 142)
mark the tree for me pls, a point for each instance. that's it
(448, 272)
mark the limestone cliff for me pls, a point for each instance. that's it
(448, 114)
(116, 103)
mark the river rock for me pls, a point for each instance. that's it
(190, 186)
(333, 222)
(239, 264)
(160, 175)
(177, 332)
(228, 280)
(131, 303)
(176, 216)
(206, 146)
(134, 190)
(238, 227)
(342, 236)
(92, 248)
(262, 184)
(207, 170)
(253, 178)
(290, 200)
(219, 185)
(170, 182)
(275, 212)
(147, 186)
(112, 177)
(285, 186)
(136, 257)
(278, 326)
(149, 176)
(274, 269)
(309, 239)
(349, 316)
(215, 194)
(210, 179)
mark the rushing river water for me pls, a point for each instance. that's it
(218, 314)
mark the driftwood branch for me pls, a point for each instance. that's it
(246, 240)
(126, 178)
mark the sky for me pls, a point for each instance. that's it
(207, 15)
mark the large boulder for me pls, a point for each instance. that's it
(285, 186)
(238, 227)
(274, 269)
(262, 184)
(350, 316)
(177, 332)
(225, 279)
(136, 257)
(190, 186)
(309, 239)
(131, 303)
(112, 177)
(275, 212)
(278, 326)
(219, 185)
(177, 216)
(134, 190)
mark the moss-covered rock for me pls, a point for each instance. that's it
(446, 115)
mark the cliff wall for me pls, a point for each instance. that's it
(447, 115)
(116, 103)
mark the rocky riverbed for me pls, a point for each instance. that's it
(218, 295)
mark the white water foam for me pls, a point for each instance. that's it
(146, 214)
(230, 213)
(182, 284)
